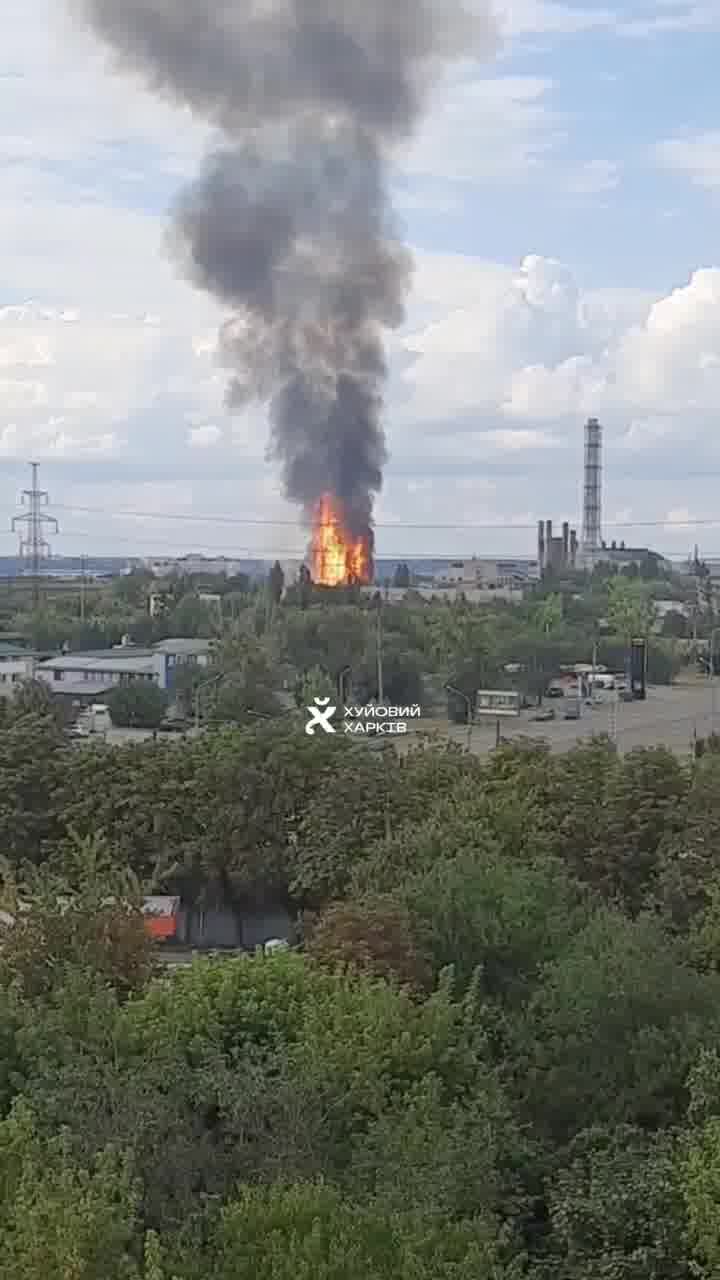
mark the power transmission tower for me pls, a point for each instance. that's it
(32, 524)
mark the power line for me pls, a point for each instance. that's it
(236, 552)
(396, 524)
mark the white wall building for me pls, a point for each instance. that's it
(194, 564)
(489, 575)
(88, 675)
(16, 665)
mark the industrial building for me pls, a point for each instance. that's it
(195, 566)
(83, 677)
(556, 555)
(16, 665)
(489, 575)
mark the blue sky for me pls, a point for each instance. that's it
(562, 202)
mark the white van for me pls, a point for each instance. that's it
(95, 718)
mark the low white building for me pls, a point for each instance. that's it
(511, 574)
(194, 565)
(85, 676)
(16, 665)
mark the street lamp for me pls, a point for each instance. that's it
(341, 683)
(451, 689)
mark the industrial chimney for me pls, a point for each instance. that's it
(592, 491)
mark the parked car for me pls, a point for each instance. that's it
(545, 713)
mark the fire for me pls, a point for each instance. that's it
(337, 556)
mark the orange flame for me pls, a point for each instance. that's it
(337, 556)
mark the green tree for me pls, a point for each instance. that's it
(276, 583)
(481, 912)
(312, 1233)
(316, 683)
(59, 1221)
(700, 1163)
(141, 704)
(374, 936)
(549, 613)
(133, 588)
(84, 914)
(630, 610)
(34, 698)
(30, 765)
(616, 1208)
(192, 617)
(613, 1028)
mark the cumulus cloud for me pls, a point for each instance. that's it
(696, 157)
(537, 347)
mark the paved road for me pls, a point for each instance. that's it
(668, 717)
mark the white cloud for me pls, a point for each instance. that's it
(534, 17)
(535, 349)
(594, 178)
(696, 157)
(679, 16)
(485, 129)
(204, 437)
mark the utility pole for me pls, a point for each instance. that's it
(82, 589)
(33, 546)
(379, 645)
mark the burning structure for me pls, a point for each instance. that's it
(290, 225)
(337, 556)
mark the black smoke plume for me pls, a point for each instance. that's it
(290, 223)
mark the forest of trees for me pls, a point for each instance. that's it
(494, 1055)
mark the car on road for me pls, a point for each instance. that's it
(544, 714)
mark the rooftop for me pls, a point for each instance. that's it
(138, 660)
(183, 645)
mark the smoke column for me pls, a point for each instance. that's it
(290, 223)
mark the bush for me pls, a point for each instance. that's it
(140, 705)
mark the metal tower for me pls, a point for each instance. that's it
(592, 493)
(33, 546)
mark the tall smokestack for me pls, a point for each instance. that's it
(290, 224)
(566, 542)
(541, 545)
(592, 490)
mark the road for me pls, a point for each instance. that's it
(670, 716)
